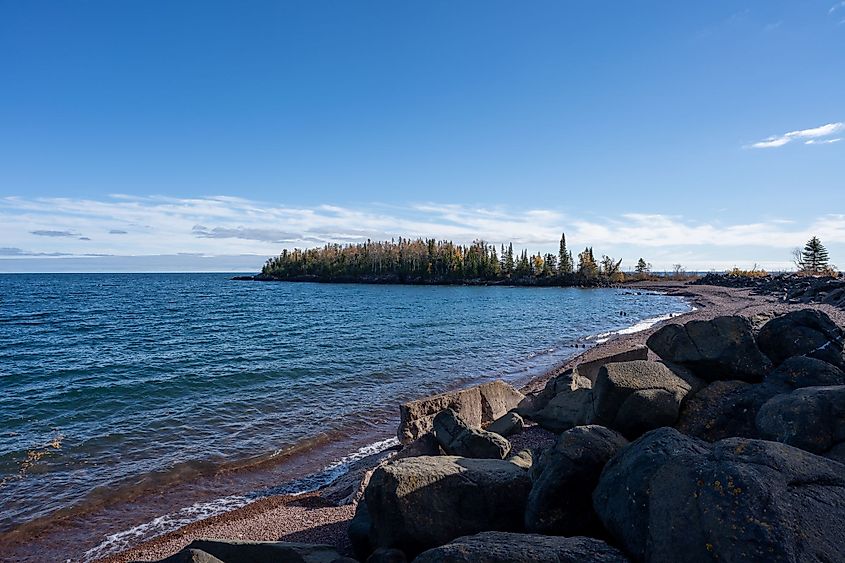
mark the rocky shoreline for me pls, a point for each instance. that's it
(620, 404)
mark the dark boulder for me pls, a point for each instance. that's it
(239, 551)
(387, 555)
(507, 425)
(418, 503)
(638, 396)
(560, 501)
(503, 547)
(803, 371)
(722, 348)
(670, 497)
(724, 409)
(457, 438)
(807, 332)
(812, 418)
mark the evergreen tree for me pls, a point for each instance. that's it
(814, 257)
(641, 267)
(564, 257)
(509, 264)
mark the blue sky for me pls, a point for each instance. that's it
(208, 135)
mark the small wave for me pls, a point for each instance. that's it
(642, 325)
(202, 510)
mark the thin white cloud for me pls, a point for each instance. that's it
(822, 141)
(812, 134)
(229, 226)
(837, 6)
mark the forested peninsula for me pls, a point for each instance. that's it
(429, 261)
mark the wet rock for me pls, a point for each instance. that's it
(812, 418)
(507, 425)
(669, 496)
(560, 502)
(722, 348)
(634, 397)
(422, 502)
(807, 332)
(477, 406)
(457, 438)
(503, 547)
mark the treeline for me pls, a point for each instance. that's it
(432, 261)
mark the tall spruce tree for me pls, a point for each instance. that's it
(814, 257)
(565, 265)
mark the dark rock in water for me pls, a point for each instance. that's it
(503, 547)
(807, 332)
(638, 396)
(422, 502)
(724, 409)
(477, 406)
(237, 551)
(191, 556)
(507, 425)
(560, 501)
(722, 348)
(670, 497)
(802, 371)
(457, 438)
(387, 555)
(812, 418)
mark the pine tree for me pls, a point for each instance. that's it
(509, 265)
(814, 257)
(642, 268)
(564, 257)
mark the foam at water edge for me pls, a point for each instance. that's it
(644, 324)
(202, 510)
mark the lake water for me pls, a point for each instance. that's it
(108, 379)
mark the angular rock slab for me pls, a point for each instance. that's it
(638, 396)
(457, 438)
(560, 502)
(722, 348)
(477, 406)
(503, 547)
(812, 418)
(507, 425)
(669, 497)
(422, 502)
(237, 551)
(807, 332)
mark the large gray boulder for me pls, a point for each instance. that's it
(504, 547)
(567, 409)
(457, 438)
(239, 551)
(507, 425)
(722, 348)
(670, 497)
(638, 396)
(807, 332)
(812, 418)
(418, 503)
(589, 369)
(560, 502)
(477, 406)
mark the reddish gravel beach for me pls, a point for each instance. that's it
(308, 518)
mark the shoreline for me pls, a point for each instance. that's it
(305, 517)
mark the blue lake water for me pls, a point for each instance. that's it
(108, 378)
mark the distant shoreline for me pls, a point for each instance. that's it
(390, 279)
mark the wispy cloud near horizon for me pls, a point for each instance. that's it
(813, 136)
(232, 226)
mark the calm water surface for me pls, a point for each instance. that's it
(108, 378)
